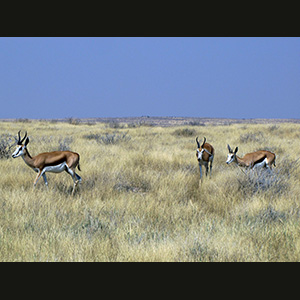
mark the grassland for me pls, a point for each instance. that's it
(140, 198)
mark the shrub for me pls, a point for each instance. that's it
(271, 215)
(108, 138)
(126, 184)
(196, 123)
(64, 143)
(115, 125)
(185, 132)
(262, 180)
(289, 166)
(6, 142)
(252, 137)
(273, 128)
(73, 121)
(23, 120)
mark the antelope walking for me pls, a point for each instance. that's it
(205, 155)
(261, 158)
(55, 162)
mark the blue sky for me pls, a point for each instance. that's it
(61, 77)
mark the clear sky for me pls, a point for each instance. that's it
(62, 77)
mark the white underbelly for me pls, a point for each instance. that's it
(261, 164)
(56, 169)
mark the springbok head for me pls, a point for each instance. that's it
(201, 149)
(20, 148)
(231, 155)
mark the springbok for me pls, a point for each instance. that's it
(261, 158)
(55, 162)
(205, 155)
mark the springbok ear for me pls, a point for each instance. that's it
(26, 141)
(229, 149)
(236, 149)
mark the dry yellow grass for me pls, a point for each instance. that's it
(140, 201)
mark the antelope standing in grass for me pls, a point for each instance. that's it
(261, 158)
(56, 161)
(205, 155)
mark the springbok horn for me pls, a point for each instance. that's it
(21, 141)
(204, 142)
(19, 138)
(197, 142)
(24, 137)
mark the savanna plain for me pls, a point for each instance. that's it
(140, 199)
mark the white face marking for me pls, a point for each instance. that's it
(200, 154)
(19, 151)
(230, 158)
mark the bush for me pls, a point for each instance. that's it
(115, 125)
(23, 120)
(64, 143)
(126, 184)
(185, 132)
(140, 124)
(262, 180)
(6, 142)
(271, 215)
(73, 121)
(108, 138)
(267, 180)
(252, 137)
(196, 123)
